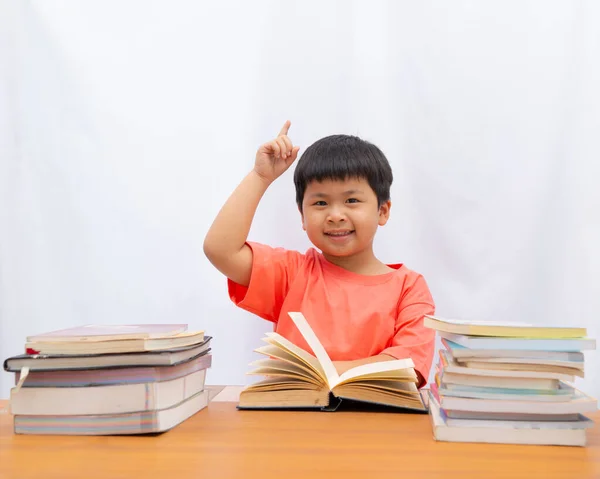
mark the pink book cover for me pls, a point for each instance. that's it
(100, 332)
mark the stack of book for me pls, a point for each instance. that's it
(509, 383)
(100, 380)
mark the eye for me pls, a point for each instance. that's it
(352, 200)
(320, 203)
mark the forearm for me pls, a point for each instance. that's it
(229, 231)
(225, 243)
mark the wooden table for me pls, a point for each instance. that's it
(222, 442)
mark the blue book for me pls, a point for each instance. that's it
(520, 344)
(563, 393)
(463, 353)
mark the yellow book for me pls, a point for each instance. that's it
(114, 345)
(502, 329)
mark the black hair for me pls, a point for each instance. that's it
(339, 157)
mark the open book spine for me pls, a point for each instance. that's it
(297, 379)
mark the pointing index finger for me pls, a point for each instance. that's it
(286, 128)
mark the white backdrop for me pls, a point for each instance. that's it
(124, 126)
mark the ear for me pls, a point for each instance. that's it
(302, 219)
(384, 212)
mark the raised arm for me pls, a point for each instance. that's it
(225, 243)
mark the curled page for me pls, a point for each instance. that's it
(312, 340)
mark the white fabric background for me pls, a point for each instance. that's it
(125, 125)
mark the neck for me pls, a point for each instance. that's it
(364, 262)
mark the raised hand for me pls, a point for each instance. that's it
(276, 156)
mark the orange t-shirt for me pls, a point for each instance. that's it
(353, 315)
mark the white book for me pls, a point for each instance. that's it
(113, 399)
(451, 366)
(517, 344)
(146, 422)
(520, 367)
(499, 382)
(508, 416)
(559, 436)
(582, 422)
(579, 365)
(579, 404)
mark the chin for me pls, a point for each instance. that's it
(342, 251)
(337, 253)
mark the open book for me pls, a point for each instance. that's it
(297, 379)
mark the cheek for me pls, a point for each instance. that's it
(365, 217)
(367, 223)
(311, 219)
(306, 223)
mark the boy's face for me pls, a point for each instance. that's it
(341, 217)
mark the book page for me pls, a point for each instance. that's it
(275, 351)
(372, 368)
(312, 340)
(282, 369)
(298, 352)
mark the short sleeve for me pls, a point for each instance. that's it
(411, 338)
(273, 270)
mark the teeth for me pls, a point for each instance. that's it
(339, 234)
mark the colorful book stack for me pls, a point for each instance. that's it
(100, 380)
(509, 383)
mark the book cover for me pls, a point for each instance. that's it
(519, 344)
(100, 332)
(113, 375)
(85, 361)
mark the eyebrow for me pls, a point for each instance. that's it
(345, 193)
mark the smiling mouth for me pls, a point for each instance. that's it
(339, 234)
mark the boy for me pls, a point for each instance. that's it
(361, 309)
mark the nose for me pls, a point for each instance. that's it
(335, 215)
